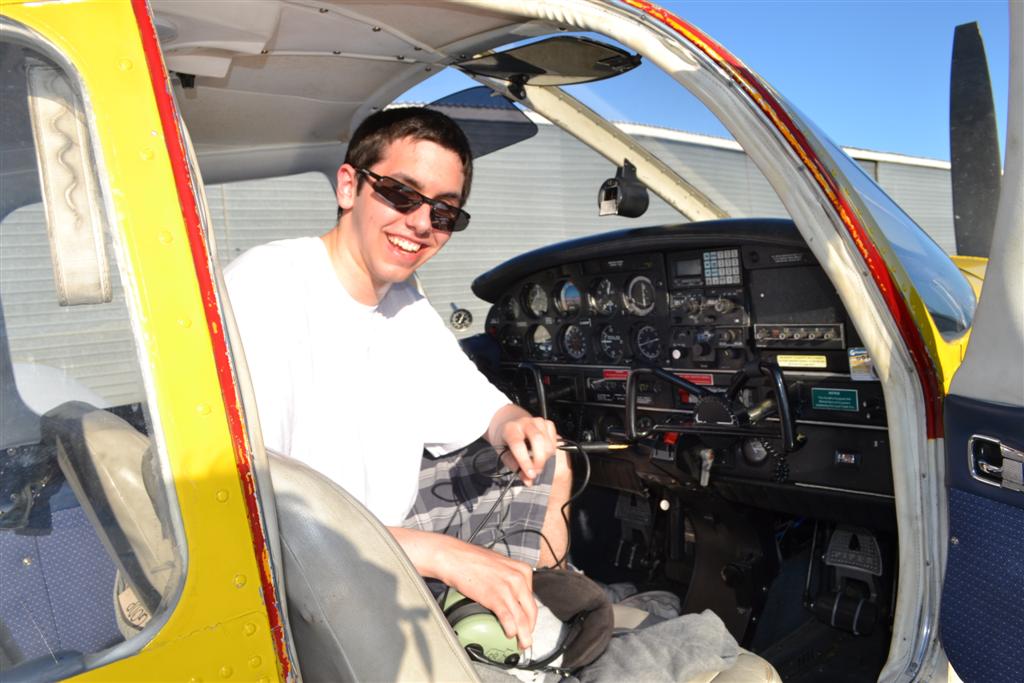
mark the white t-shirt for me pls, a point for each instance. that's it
(354, 391)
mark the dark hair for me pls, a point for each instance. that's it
(382, 128)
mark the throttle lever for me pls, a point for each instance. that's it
(780, 401)
(765, 408)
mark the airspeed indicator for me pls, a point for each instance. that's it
(536, 300)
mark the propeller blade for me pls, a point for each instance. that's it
(973, 144)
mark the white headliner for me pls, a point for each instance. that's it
(260, 66)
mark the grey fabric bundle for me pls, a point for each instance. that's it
(679, 649)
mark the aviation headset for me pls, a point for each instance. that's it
(479, 631)
(572, 597)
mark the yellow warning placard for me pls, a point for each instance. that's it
(802, 361)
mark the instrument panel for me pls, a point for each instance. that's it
(702, 301)
(708, 308)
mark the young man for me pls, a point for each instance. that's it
(355, 374)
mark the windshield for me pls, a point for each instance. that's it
(720, 169)
(544, 190)
(946, 292)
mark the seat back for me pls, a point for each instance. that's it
(110, 467)
(358, 609)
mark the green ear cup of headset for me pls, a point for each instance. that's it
(479, 630)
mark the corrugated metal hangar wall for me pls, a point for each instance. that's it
(532, 194)
(544, 190)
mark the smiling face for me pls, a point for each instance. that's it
(375, 246)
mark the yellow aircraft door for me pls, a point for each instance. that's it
(133, 546)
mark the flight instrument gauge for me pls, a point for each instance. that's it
(510, 308)
(536, 300)
(568, 298)
(605, 297)
(640, 295)
(647, 342)
(611, 344)
(574, 342)
(541, 343)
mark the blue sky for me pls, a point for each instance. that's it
(871, 74)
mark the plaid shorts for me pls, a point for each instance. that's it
(458, 491)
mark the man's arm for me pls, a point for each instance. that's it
(530, 440)
(500, 584)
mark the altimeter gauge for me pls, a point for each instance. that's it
(605, 297)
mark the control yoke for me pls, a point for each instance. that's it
(722, 414)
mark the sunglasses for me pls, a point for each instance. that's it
(404, 199)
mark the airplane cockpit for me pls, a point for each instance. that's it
(747, 352)
(722, 356)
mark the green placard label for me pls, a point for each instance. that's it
(835, 399)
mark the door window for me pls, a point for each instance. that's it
(89, 554)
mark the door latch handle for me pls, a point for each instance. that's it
(994, 463)
(990, 469)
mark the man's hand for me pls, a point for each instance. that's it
(530, 440)
(500, 584)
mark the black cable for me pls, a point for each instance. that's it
(502, 535)
(494, 507)
(501, 495)
(475, 458)
(498, 472)
(565, 515)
